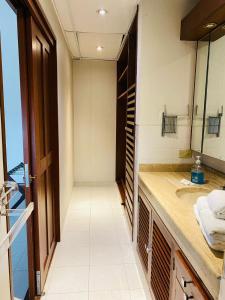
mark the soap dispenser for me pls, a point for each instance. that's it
(197, 173)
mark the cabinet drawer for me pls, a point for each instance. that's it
(188, 280)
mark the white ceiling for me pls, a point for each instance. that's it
(85, 29)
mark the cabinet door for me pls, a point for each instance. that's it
(161, 262)
(143, 233)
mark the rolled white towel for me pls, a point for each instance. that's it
(212, 228)
(202, 203)
(216, 201)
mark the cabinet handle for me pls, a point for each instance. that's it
(186, 297)
(184, 283)
(148, 248)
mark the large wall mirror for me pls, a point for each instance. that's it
(208, 127)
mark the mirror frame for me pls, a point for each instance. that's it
(207, 160)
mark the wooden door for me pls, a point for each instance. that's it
(42, 114)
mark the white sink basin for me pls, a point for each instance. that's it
(192, 193)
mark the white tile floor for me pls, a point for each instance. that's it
(95, 260)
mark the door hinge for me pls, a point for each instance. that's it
(38, 284)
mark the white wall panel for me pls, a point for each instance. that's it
(165, 77)
(94, 121)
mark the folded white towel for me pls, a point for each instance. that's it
(212, 228)
(216, 201)
(202, 203)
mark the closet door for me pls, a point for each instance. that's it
(130, 153)
(130, 122)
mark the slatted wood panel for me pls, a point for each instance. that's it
(143, 232)
(161, 265)
(130, 152)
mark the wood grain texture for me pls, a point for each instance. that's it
(206, 11)
(178, 216)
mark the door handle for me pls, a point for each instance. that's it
(28, 178)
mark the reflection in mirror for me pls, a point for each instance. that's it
(214, 131)
(199, 95)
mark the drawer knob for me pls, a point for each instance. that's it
(148, 249)
(185, 282)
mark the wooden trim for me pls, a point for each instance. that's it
(56, 146)
(26, 138)
(33, 8)
(206, 11)
(121, 95)
(123, 74)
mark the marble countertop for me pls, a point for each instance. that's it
(178, 216)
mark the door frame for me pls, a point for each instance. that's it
(26, 9)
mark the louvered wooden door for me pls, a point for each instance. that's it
(161, 262)
(130, 153)
(143, 233)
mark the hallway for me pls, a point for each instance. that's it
(95, 260)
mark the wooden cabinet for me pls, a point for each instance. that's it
(143, 233)
(170, 276)
(161, 261)
(126, 115)
(187, 280)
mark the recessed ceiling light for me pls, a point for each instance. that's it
(102, 11)
(99, 48)
(210, 25)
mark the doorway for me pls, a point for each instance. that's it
(14, 156)
(30, 140)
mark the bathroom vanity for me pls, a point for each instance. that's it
(177, 260)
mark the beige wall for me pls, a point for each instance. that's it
(65, 108)
(165, 77)
(94, 121)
